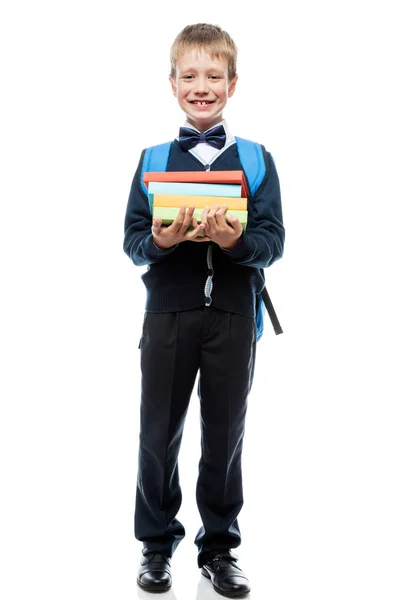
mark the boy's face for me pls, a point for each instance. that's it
(202, 88)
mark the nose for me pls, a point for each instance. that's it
(201, 85)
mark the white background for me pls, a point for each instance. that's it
(84, 89)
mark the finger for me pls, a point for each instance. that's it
(198, 234)
(220, 216)
(213, 212)
(234, 221)
(188, 218)
(204, 220)
(204, 214)
(196, 223)
(156, 228)
(211, 219)
(197, 230)
(178, 222)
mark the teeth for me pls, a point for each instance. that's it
(202, 103)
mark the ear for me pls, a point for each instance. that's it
(173, 85)
(232, 86)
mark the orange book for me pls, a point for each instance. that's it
(235, 177)
(176, 200)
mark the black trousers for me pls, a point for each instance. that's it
(174, 348)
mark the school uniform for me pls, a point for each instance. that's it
(199, 319)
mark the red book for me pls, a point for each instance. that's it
(235, 177)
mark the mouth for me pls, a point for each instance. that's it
(202, 102)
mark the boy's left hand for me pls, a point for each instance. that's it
(221, 228)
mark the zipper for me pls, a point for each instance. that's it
(209, 281)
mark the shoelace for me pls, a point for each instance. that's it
(158, 558)
(224, 560)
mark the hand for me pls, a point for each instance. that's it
(221, 227)
(166, 237)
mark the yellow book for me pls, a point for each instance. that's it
(174, 200)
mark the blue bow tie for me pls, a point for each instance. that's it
(188, 138)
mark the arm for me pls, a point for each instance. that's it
(263, 241)
(138, 240)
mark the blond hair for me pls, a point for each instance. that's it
(209, 38)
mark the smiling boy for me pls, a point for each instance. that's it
(202, 86)
(199, 320)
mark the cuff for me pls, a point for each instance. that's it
(242, 249)
(163, 250)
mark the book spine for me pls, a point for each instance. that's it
(195, 189)
(168, 214)
(173, 200)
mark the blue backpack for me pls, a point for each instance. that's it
(252, 159)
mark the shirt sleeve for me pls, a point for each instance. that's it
(262, 243)
(138, 239)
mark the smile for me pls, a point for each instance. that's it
(201, 102)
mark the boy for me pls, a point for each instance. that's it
(200, 317)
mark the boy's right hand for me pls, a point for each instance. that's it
(166, 237)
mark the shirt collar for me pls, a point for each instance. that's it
(223, 123)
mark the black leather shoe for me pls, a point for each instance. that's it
(226, 576)
(155, 573)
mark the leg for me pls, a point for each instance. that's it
(226, 374)
(169, 363)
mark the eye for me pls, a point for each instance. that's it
(215, 77)
(188, 77)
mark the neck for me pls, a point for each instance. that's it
(204, 127)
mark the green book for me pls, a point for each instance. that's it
(169, 214)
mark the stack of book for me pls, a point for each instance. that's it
(169, 190)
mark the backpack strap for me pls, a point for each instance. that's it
(155, 160)
(271, 311)
(252, 158)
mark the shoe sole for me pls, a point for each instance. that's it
(228, 595)
(153, 589)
